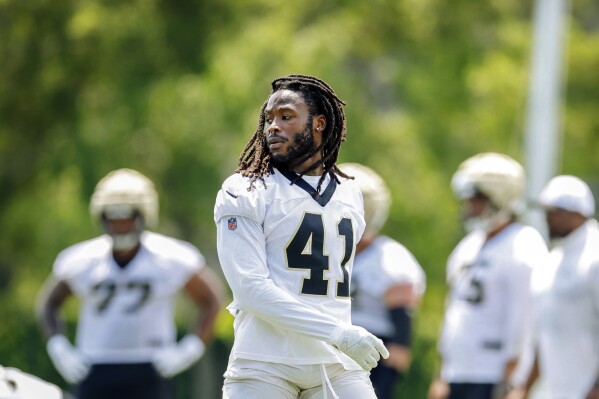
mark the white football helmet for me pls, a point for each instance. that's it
(377, 199)
(499, 178)
(120, 194)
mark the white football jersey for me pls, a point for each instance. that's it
(488, 303)
(566, 310)
(127, 313)
(288, 259)
(382, 264)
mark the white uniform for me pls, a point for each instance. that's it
(127, 313)
(288, 260)
(384, 263)
(566, 314)
(15, 384)
(488, 302)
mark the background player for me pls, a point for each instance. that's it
(387, 283)
(566, 296)
(127, 280)
(287, 226)
(488, 273)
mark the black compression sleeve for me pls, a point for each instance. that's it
(402, 321)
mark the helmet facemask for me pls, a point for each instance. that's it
(123, 241)
(495, 177)
(125, 194)
(489, 219)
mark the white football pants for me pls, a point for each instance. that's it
(250, 379)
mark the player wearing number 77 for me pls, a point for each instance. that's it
(127, 280)
(287, 225)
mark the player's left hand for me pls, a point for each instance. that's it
(363, 347)
(178, 357)
(67, 359)
(399, 358)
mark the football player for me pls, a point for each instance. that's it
(287, 226)
(488, 273)
(127, 280)
(387, 283)
(566, 297)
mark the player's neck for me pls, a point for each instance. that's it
(123, 256)
(498, 229)
(318, 171)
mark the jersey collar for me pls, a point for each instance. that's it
(322, 199)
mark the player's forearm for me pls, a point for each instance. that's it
(205, 329)
(526, 380)
(48, 312)
(207, 291)
(243, 260)
(518, 312)
(278, 308)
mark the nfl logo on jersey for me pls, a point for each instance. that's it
(232, 223)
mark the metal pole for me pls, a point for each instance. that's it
(543, 130)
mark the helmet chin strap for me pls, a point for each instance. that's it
(127, 241)
(488, 221)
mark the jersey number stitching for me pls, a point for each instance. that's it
(110, 289)
(306, 251)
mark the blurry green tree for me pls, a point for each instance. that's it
(173, 89)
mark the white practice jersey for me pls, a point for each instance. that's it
(288, 260)
(15, 384)
(566, 295)
(127, 313)
(489, 302)
(384, 263)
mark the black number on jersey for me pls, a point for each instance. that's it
(144, 293)
(306, 251)
(107, 290)
(345, 229)
(477, 292)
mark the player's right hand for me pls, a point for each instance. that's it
(439, 389)
(69, 362)
(177, 357)
(362, 346)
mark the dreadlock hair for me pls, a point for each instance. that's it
(255, 160)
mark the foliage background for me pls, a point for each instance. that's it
(173, 88)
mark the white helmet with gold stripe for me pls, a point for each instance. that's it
(123, 191)
(377, 199)
(499, 178)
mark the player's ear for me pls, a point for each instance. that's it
(319, 122)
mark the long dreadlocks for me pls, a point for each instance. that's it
(255, 160)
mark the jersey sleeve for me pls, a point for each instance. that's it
(593, 274)
(530, 253)
(234, 199)
(242, 254)
(180, 257)
(71, 264)
(402, 267)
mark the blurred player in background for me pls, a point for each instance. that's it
(127, 280)
(287, 226)
(387, 283)
(566, 297)
(488, 273)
